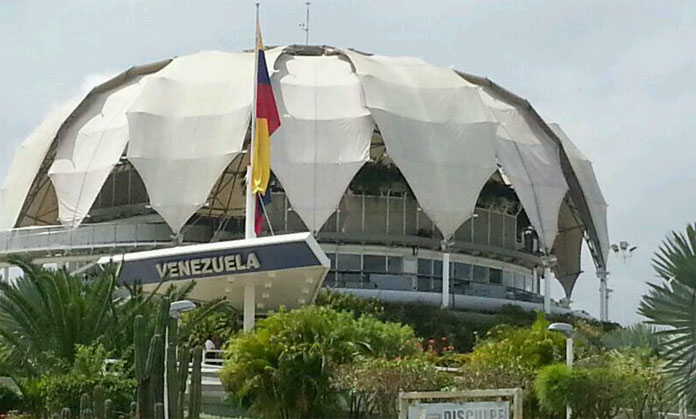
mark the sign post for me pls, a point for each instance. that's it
(459, 404)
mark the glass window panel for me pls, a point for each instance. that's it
(411, 215)
(510, 232)
(495, 276)
(349, 262)
(295, 222)
(528, 280)
(496, 224)
(121, 185)
(519, 281)
(395, 264)
(425, 225)
(374, 263)
(350, 217)
(375, 214)
(481, 227)
(463, 233)
(480, 273)
(424, 283)
(138, 191)
(437, 268)
(396, 215)
(332, 258)
(350, 280)
(425, 266)
(437, 285)
(462, 271)
(508, 279)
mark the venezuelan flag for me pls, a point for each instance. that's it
(267, 121)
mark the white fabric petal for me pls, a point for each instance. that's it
(436, 129)
(26, 163)
(88, 150)
(590, 188)
(324, 136)
(530, 160)
(186, 127)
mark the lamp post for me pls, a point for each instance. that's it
(175, 310)
(567, 331)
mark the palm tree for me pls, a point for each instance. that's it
(671, 305)
(45, 314)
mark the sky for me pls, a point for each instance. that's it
(619, 76)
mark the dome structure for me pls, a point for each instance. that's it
(178, 131)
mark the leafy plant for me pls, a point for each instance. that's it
(672, 305)
(373, 384)
(9, 399)
(57, 390)
(46, 314)
(284, 367)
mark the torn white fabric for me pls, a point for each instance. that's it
(26, 163)
(531, 162)
(88, 149)
(324, 135)
(590, 188)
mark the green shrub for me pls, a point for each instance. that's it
(348, 302)
(9, 399)
(57, 390)
(284, 367)
(373, 384)
(592, 393)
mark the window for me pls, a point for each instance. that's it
(332, 258)
(480, 273)
(375, 264)
(462, 271)
(508, 279)
(519, 281)
(425, 267)
(437, 268)
(349, 262)
(495, 276)
(395, 264)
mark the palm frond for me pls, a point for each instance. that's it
(672, 306)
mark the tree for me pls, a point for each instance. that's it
(373, 384)
(284, 367)
(672, 305)
(511, 357)
(592, 393)
(46, 314)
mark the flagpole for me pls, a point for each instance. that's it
(249, 307)
(250, 209)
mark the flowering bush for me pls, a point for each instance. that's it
(373, 384)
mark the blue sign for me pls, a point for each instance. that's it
(223, 262)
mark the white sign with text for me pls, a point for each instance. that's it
(470, 410)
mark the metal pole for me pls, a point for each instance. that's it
(165, 402)
(569, 363)
(603, 299)
(249, 233)
(445, 279)
(547, 287)
(249, 307)
(307, 24)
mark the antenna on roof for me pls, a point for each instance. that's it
(305, 26)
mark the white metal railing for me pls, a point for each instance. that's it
(56, 238)
(213, 358)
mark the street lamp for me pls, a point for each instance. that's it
(567, 331)
(175, 310)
